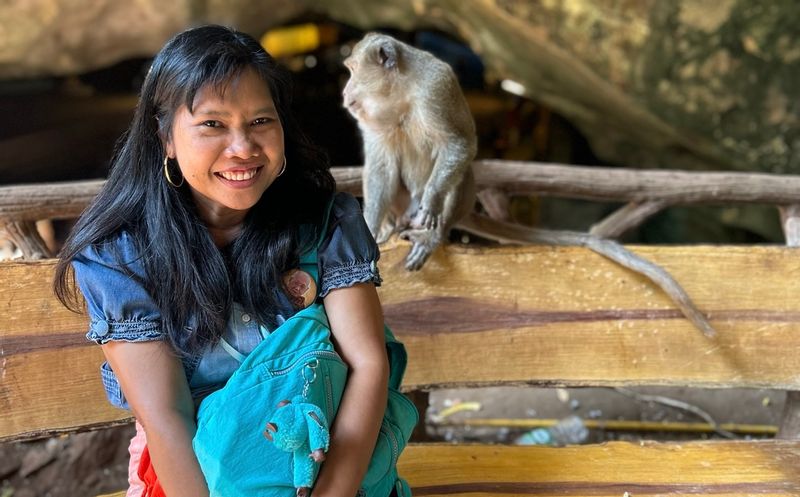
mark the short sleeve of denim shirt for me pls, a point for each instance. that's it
(348, 254)
(119, 306)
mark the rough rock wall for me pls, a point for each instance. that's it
(704, 84)
(60, 37)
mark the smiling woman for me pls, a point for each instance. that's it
(182, 256)
(229, 148)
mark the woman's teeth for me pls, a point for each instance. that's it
(238, 175)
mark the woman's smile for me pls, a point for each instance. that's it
(229, 147)
(240, 178)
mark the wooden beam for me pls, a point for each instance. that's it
(68, 199)
(63, 200)
(790, 419)
(525, 315)
(566, 316)
(729, 469)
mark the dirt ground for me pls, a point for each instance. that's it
(740, 406)
(89, 464)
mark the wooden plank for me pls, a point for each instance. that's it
(765, 468)
(567, 316)
(723, 469)
(49, 372)
(527, 315)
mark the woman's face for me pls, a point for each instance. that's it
(231, 148)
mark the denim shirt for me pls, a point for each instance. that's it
(121, 309)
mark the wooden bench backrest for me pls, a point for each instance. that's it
(488, 316)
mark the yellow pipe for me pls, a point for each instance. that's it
(620, 425)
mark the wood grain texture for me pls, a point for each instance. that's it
(566, 316)
(723, 469)
(49, 372)
(525, 315)
(605, 470)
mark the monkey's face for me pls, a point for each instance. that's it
(370, 94)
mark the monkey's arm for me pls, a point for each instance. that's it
(508, 232)
(452, 161)
(381, 179)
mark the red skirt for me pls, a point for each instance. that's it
(148, 476)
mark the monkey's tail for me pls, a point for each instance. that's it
(505, 232)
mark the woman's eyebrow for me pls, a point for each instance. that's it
(221, 113)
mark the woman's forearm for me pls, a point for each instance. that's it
(354, 431)
(169, 440)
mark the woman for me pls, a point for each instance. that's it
(180, 257)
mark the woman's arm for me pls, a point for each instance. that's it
(356, 321)
(152, 378)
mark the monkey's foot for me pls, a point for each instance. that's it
(416, 257)
(423, 243)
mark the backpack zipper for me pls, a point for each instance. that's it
(316, 353)
(393, 440)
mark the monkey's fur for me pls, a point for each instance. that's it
(419, 142)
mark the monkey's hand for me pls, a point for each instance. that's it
(427, 218)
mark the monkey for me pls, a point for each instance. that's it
(419, 142)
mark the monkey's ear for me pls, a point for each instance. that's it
(387, 55)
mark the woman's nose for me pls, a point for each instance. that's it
(242, 145)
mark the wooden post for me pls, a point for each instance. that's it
(421, 400)
(790, 421)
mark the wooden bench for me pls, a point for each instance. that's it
(505, 316)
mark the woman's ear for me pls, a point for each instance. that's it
(168, 146)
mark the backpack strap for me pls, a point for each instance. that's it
(309, 263)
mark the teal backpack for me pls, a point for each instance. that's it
(297, 358)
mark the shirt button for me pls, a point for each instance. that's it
(245, 318)
(101, 328)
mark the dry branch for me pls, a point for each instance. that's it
(637, 185)
(627, 217)
(67, 200)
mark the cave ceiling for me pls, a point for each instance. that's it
(692, 84)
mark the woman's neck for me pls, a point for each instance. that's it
(223, 236)
(224, 226)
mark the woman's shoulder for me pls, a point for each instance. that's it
(116, 251)
(344, 205)
(348, 253)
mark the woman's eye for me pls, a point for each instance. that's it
(262, 120)
(211, 124)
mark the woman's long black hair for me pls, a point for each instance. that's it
(185, 273)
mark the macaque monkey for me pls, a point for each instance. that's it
(419, 142)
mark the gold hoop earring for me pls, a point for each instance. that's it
(283, 168)
(166, 174)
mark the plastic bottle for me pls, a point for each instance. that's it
(568, 431)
